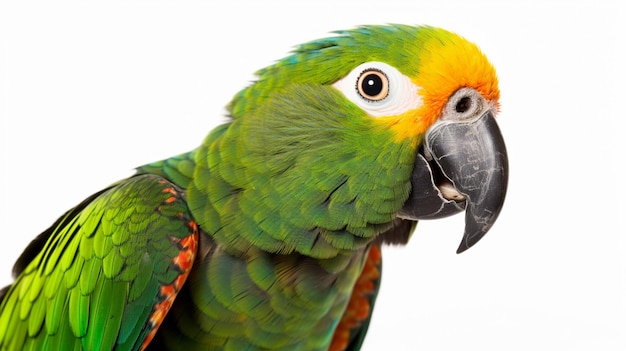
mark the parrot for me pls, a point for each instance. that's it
(269, 235)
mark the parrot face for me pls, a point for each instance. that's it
(413, 128)
(462, 164)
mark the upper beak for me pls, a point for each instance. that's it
(462, 166)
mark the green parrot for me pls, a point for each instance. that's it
(268, 235)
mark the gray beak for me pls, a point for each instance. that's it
(462, 166)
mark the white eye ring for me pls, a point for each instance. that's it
(380, 89)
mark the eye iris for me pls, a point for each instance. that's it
(373, 85)
(463, 105)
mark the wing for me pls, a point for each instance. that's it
(104, 276)
(355, 321)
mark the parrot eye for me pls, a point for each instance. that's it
(379, 89)
(373, 85)
(464, 104)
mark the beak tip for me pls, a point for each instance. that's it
(462, 248)
(470, 240)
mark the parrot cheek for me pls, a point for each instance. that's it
(461, 166)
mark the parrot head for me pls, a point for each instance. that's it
(371, 126)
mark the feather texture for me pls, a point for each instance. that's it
(265, 237)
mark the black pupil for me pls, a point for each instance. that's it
(463, 105)
(372, 85)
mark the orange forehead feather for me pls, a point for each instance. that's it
(448, 64)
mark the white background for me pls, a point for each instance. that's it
(89, 91)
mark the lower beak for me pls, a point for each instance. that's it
(463, 166)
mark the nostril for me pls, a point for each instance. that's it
(463, 105)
